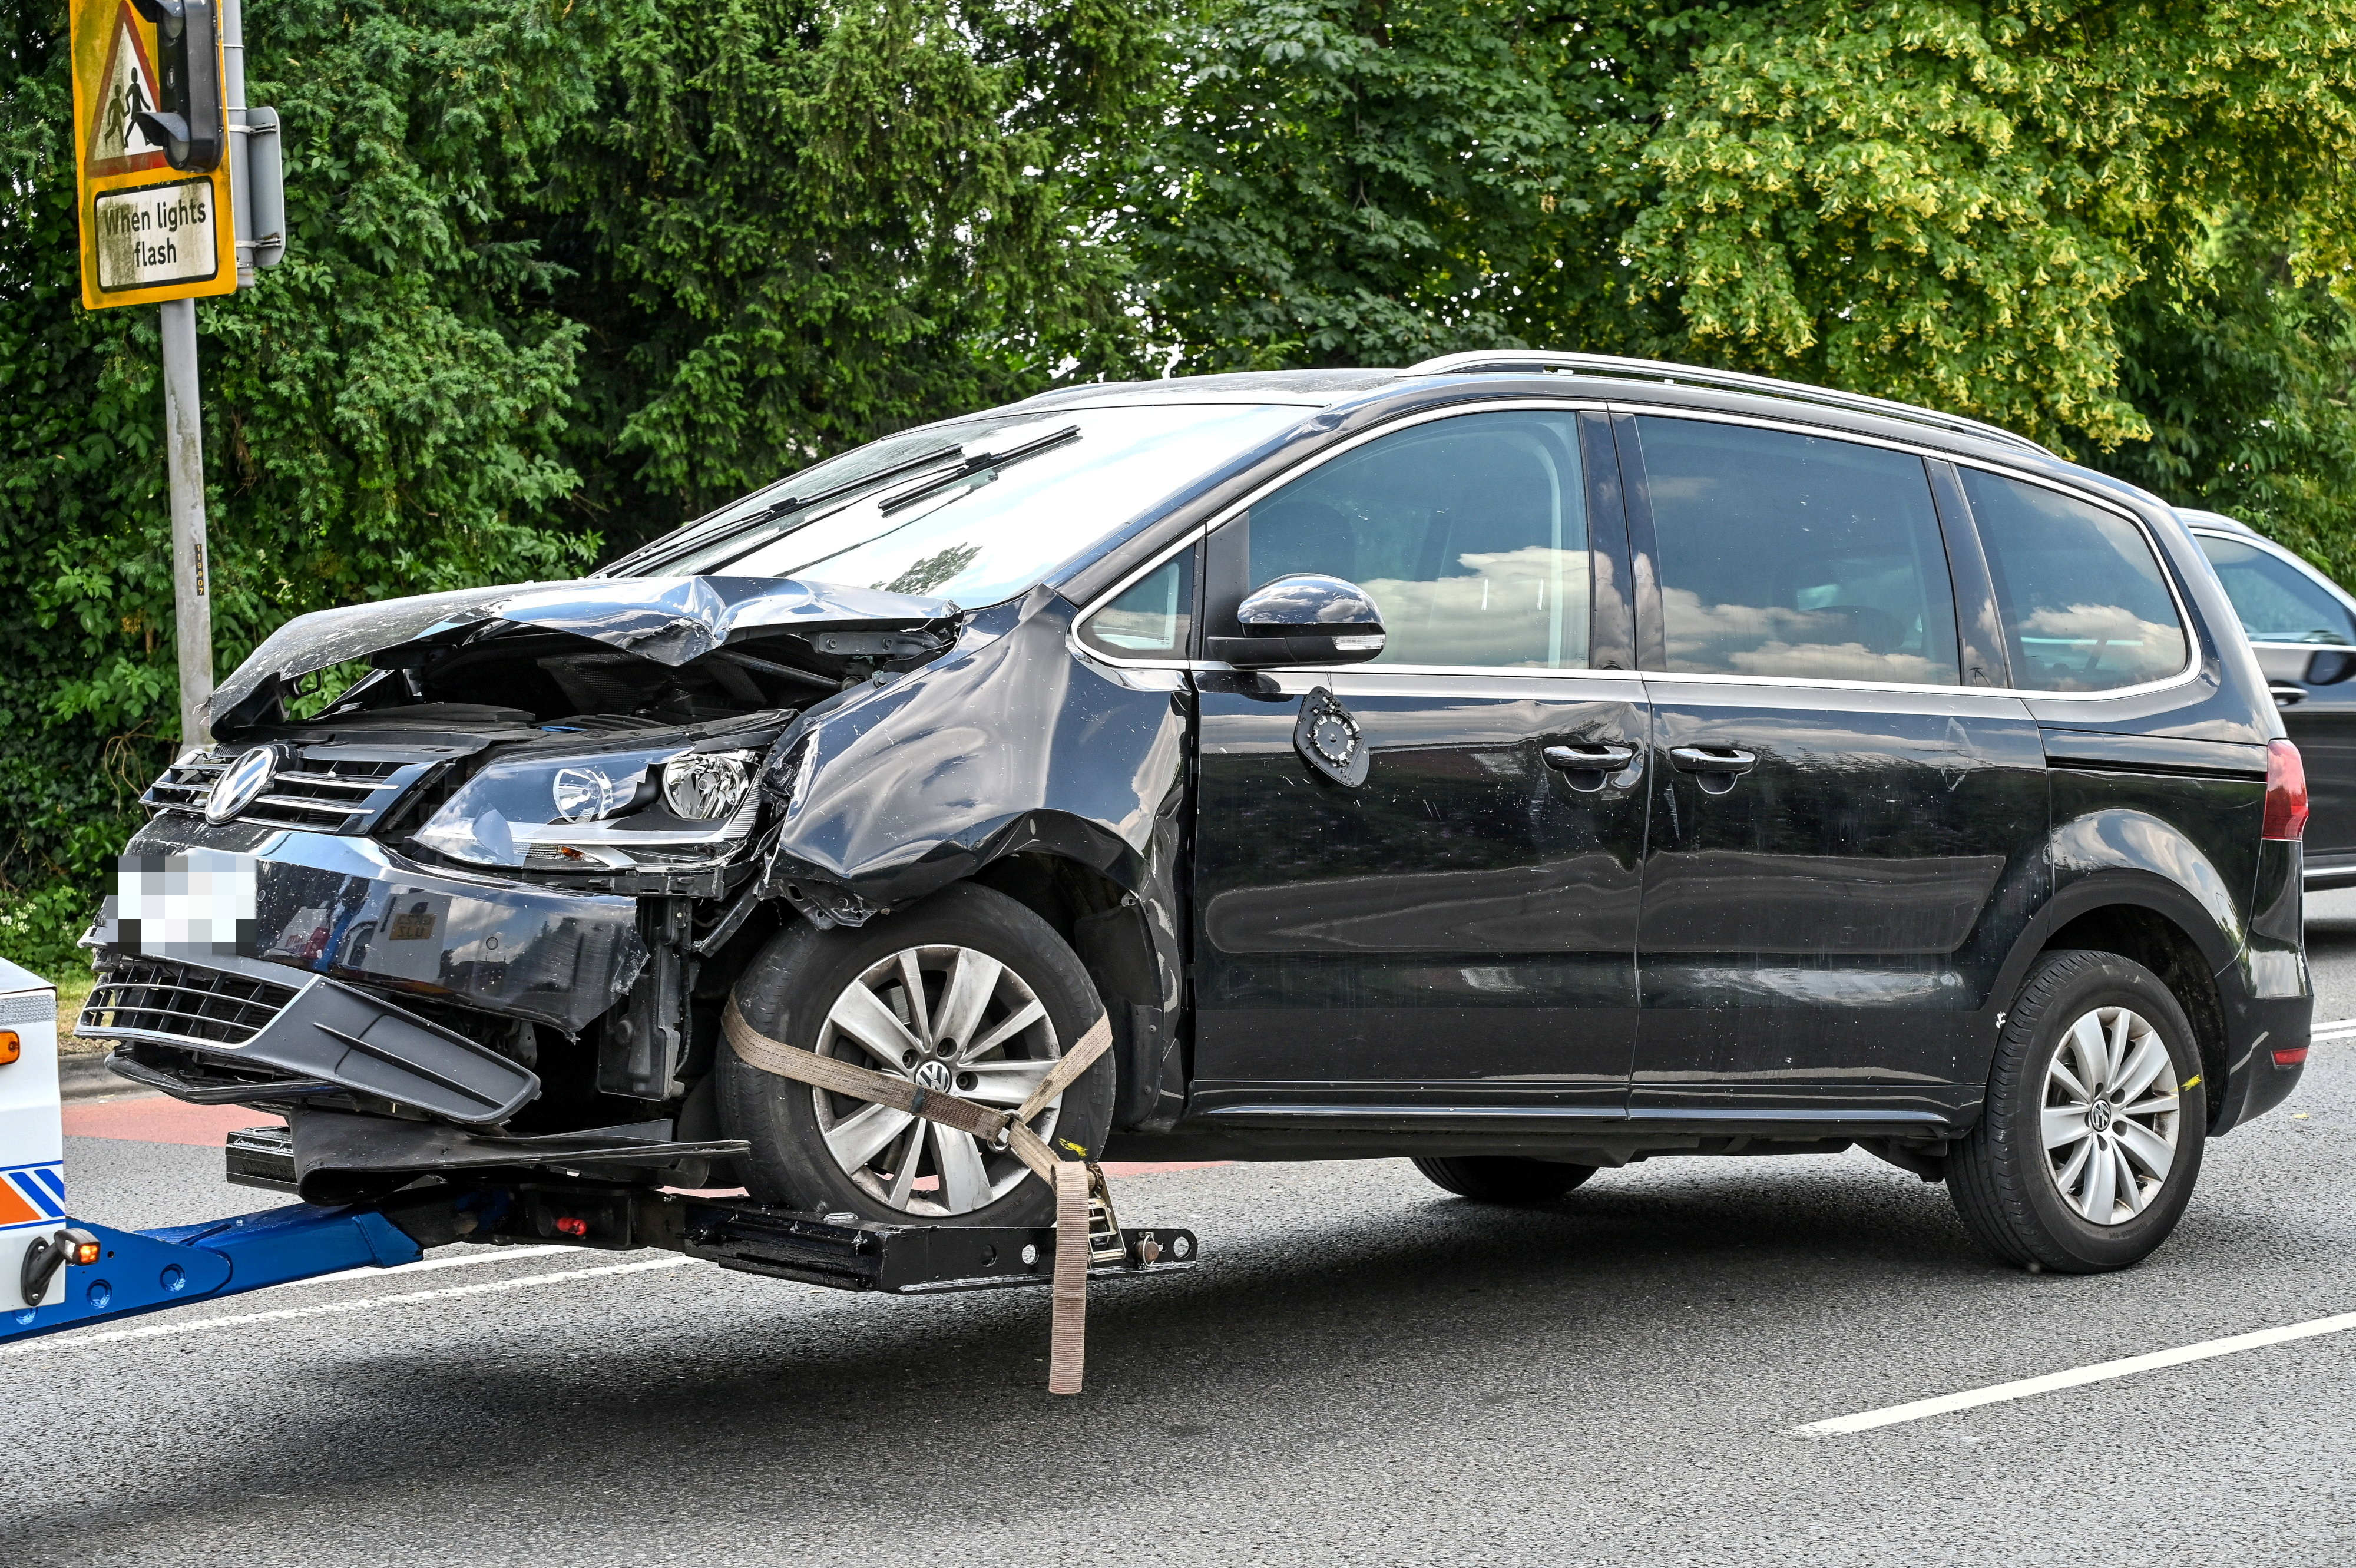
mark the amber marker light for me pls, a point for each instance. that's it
(12, 1046)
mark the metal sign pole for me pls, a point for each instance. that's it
(232, 27)
(185, 454)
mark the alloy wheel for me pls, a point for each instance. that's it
(2110, 1116)
(950, 1020)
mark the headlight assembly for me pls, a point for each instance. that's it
(660, 809)
(705, 786)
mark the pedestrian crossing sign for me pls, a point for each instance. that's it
(149, 232)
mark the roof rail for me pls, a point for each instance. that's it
(1694, 375)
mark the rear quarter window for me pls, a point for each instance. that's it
(2085, 605)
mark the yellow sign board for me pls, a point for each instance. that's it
(149, 232)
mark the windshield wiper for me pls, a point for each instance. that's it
(979, 463)
(786, 504)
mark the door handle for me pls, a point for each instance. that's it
(1581, 758)
(2285, 694)
(1712, 758)
(1585, 766)
(1714, 766)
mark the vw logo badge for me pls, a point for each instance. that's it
(934, 1078)
(246, 777)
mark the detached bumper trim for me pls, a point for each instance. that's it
(324, 1034)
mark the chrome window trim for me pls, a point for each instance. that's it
(1203, 530)
(1196, 535)
(1834, 683)
(2191, 671)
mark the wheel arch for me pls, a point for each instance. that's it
(2144, 935)
(1113, 929)
(2154, 922)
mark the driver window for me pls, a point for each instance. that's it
(1469, 533)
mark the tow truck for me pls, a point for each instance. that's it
(59, 1270)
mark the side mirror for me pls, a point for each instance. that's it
(2331, 667)
(1304, 620)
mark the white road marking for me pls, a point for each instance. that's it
(2332, 1031)
(1841, 1426)
(365, 1303)
(427, 1265)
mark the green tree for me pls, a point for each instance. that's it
(2247, 376)
(1348, 183)
(1943, 202)
(794, 227)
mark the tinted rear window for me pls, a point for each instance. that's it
(2083, 601)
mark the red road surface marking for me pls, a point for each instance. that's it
(159, 1119)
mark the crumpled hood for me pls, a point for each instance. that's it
(670, 620)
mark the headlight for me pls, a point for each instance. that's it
(703, 786)
(580, 794)
(661, 809)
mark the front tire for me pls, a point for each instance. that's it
(969, 993)
(2090, 1139)
(1505, 1178)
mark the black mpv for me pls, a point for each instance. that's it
(1523, 763)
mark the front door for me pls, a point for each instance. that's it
(1837, 814)
(1458, 929)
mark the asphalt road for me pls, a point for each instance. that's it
(1364, 1370)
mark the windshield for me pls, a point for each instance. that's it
(966, 529)
(2275, 601)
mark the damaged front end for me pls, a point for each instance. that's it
(479, 898)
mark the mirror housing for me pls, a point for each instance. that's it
(1304, 619)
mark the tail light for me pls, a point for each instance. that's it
(2286, 793)
(2291, 1056)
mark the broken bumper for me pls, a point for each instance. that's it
(346, 909)
(245, 1034)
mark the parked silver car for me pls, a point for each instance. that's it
(2303, 626)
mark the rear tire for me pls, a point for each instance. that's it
(1505, 1178)
(984, 964)
(2090, 1139)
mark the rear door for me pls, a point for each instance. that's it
(1459, 929)
(1846, 808)
(2306, 640)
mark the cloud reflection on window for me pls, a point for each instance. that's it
(1838, 643)
(1522, 608)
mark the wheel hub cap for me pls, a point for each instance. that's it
(950, 1020)
(2110, 1116)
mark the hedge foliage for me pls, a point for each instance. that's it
(563, 272)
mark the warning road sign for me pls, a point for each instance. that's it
(116, 144)
(149, 232)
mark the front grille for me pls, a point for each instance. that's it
(330, 787)
(152, 999)
(188, 783)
